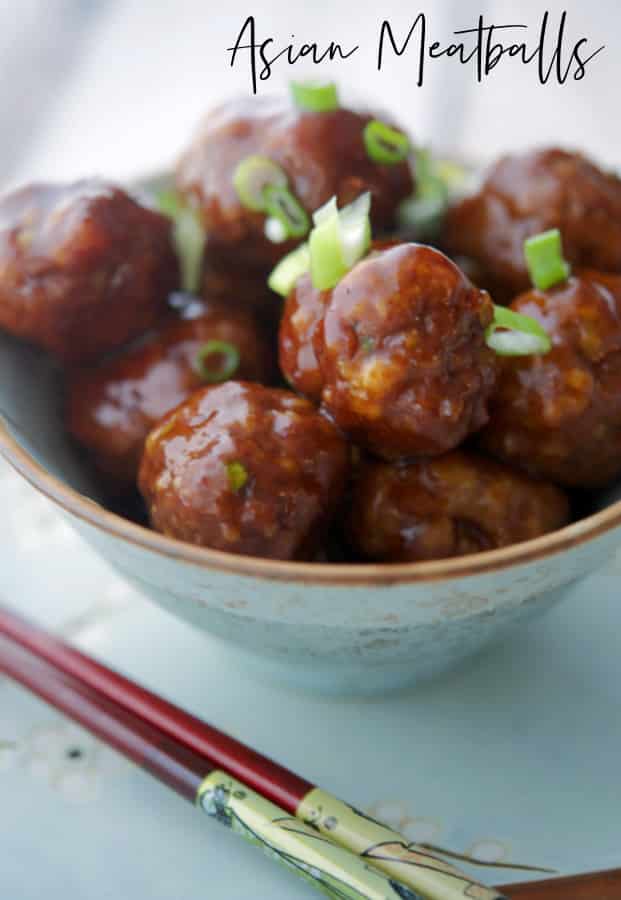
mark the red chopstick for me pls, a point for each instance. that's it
(266, 777)
(332, 869)
(174, 764)
(180, 749)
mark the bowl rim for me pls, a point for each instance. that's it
(312, 573)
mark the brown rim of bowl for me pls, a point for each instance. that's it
(346, 574)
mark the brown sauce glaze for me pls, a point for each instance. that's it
(247, 469)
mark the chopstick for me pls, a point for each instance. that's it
(379, 846)
(592, 886)
(328, 867)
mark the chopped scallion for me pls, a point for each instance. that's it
(385, 144)
(216, 361)
(188, 236)
(284, 276)
(237, 475)
(514, 334)
(252, 176)
(315, 96)
(544, 258)
(338, 241)
(275, 231)
(280, 204)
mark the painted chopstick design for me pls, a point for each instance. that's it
(327, 866)
(331, 869)
(389, 851)
(417, 867)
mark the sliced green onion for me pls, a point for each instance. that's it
(169, 203)
(285, 275)
(315, 96)
(513, 334)
(188, 236)
(226, 361)
(385, 144)
(355, 227)
(280, 204)
(423, 212)
(325, 212)
(252, 176)
(275, 231)
(544, 258)
(237, 475)
(339, 240)
(457, 178)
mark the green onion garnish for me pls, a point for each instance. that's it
(281, 205)
(237, 475)
(338, 240)
(424, 211)
(544, 258)
(325, 212)
(226, 361)
(385, 144)
(188, 236)
(285, 275)
(275, 231)
(252, 176)
(261, 185)
(315, 96)
(513, 334)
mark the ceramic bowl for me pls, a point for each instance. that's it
(360, 629)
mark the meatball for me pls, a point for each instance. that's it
(112, 407)
(528, 193)
(452, 505)
(559, 415)
(83, 267)
(236, 285)
(402, 352)
(302, 314)
(322, 153)
(247, 469)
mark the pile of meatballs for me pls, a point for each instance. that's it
(366, 422)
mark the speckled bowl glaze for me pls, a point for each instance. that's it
(360, 629)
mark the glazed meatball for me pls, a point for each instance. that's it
(226, 281)
(559, 415)
(529, 193)
(112, 407)
(452, 505)
(302, 313)
(247, 469)
(322, 154)
(83, 267)
(402, 352)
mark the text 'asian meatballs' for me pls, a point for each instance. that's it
(83, 267)
(529, 193)
(453, 505)
(559, 415)
(247, 469)
(112, 407)
(403, 356)
(317, 154)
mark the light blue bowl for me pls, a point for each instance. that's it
(359, 629)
